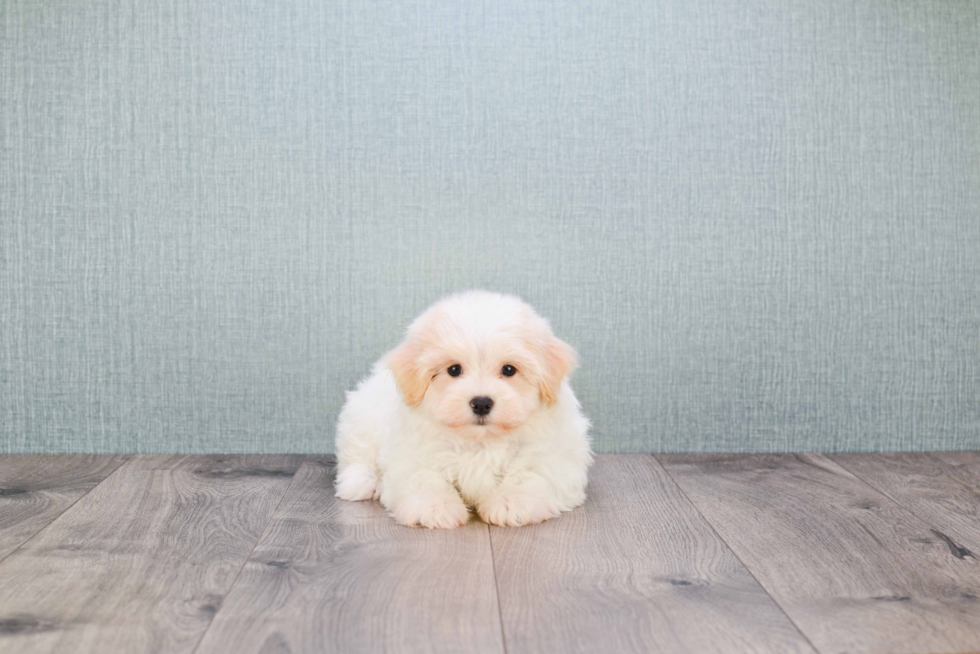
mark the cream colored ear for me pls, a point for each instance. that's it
(559, 360)
(404, 364)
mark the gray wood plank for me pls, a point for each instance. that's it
(854, 570)
(335, 576)
(964, 466)
(635, 569)
(142, 562)
(939, 492)
(36, 488)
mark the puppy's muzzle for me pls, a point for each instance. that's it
(481, 405)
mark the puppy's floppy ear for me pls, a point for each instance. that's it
(559, 359)
(409, 374)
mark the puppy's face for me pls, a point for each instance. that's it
(481, 364)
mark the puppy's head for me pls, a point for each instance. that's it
(480, 363)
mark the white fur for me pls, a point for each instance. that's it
(408, 437)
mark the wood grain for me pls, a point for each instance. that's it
(141, 563)
(335, 576)
(636, 569)
(965, 464)
(36, 488)
(941, 493)
(855, 571)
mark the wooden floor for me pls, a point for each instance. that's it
(680, 553)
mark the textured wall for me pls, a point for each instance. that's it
(759, 221)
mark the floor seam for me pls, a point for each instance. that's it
(496, 588)
(125, 461)
(735, 554)
(925, 519)
(250, 553)
(871, 486)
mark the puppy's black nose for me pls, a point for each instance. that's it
(481, 405)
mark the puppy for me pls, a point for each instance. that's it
(473, 409)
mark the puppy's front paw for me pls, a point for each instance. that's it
(357, 482)
(515, 509)
(432, 509)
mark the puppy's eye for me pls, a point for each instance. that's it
(508, 371)
(455, 370)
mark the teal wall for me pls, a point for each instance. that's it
(758, 221)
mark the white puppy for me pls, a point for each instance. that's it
(471, 410)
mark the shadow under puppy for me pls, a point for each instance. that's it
(473, 409)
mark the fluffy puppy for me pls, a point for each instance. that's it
(473, 409)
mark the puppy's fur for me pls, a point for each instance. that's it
(411, 436)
